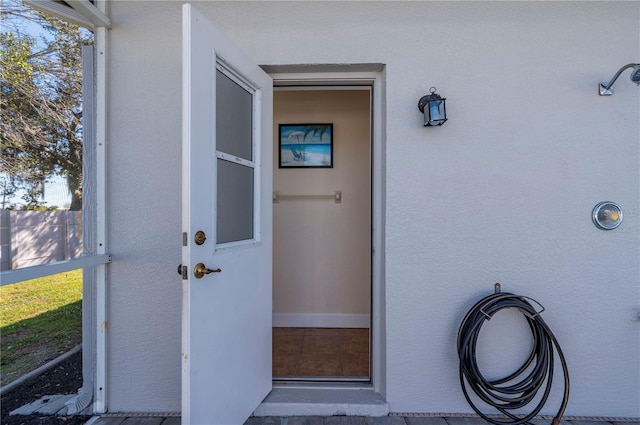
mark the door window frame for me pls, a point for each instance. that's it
(372, 75)
(254, 163)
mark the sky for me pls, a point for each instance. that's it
(56, 193)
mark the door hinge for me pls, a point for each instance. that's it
(184, 238)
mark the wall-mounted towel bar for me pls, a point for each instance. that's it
(277, 197)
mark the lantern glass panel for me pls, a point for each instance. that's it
(435, 113)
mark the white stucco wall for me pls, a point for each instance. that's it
(144, 207)
(502, 192)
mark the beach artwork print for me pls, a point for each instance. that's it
(306, 145)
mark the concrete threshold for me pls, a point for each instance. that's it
(322, 402)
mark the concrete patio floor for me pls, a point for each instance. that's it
(55, 405)
(343, 420)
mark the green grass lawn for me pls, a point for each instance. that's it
(39, 320)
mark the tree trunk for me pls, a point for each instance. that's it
(75, 188)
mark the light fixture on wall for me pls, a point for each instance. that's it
(605, 88)
(433, 108)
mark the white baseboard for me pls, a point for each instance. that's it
(315, 320)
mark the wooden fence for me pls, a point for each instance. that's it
(29, 238)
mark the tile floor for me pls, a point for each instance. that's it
(320, 352)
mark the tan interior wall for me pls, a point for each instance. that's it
(322, 249)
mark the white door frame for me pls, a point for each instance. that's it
(337, 75)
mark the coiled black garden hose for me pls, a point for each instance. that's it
(514, 391)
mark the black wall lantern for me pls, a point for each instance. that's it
(433, 108)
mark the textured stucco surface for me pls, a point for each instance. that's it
(144, 207)
(502, 192)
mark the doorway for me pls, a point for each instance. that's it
(238, 308)
(322, 232)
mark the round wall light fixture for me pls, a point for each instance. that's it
(607, 215)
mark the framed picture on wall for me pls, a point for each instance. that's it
(305, 145)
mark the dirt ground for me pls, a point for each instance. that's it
(65, 378)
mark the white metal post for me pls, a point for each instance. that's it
(100, 400)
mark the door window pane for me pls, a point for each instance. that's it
(234, 202)
(233, 118)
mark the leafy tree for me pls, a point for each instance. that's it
(8, 188)
(41, 102)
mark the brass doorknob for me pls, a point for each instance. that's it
(200, 270)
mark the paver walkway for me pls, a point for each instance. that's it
(340, 420)
(52, 405)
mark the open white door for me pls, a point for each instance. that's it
(227, 172)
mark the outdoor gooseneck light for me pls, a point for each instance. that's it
(605, 88)
(433, 108)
